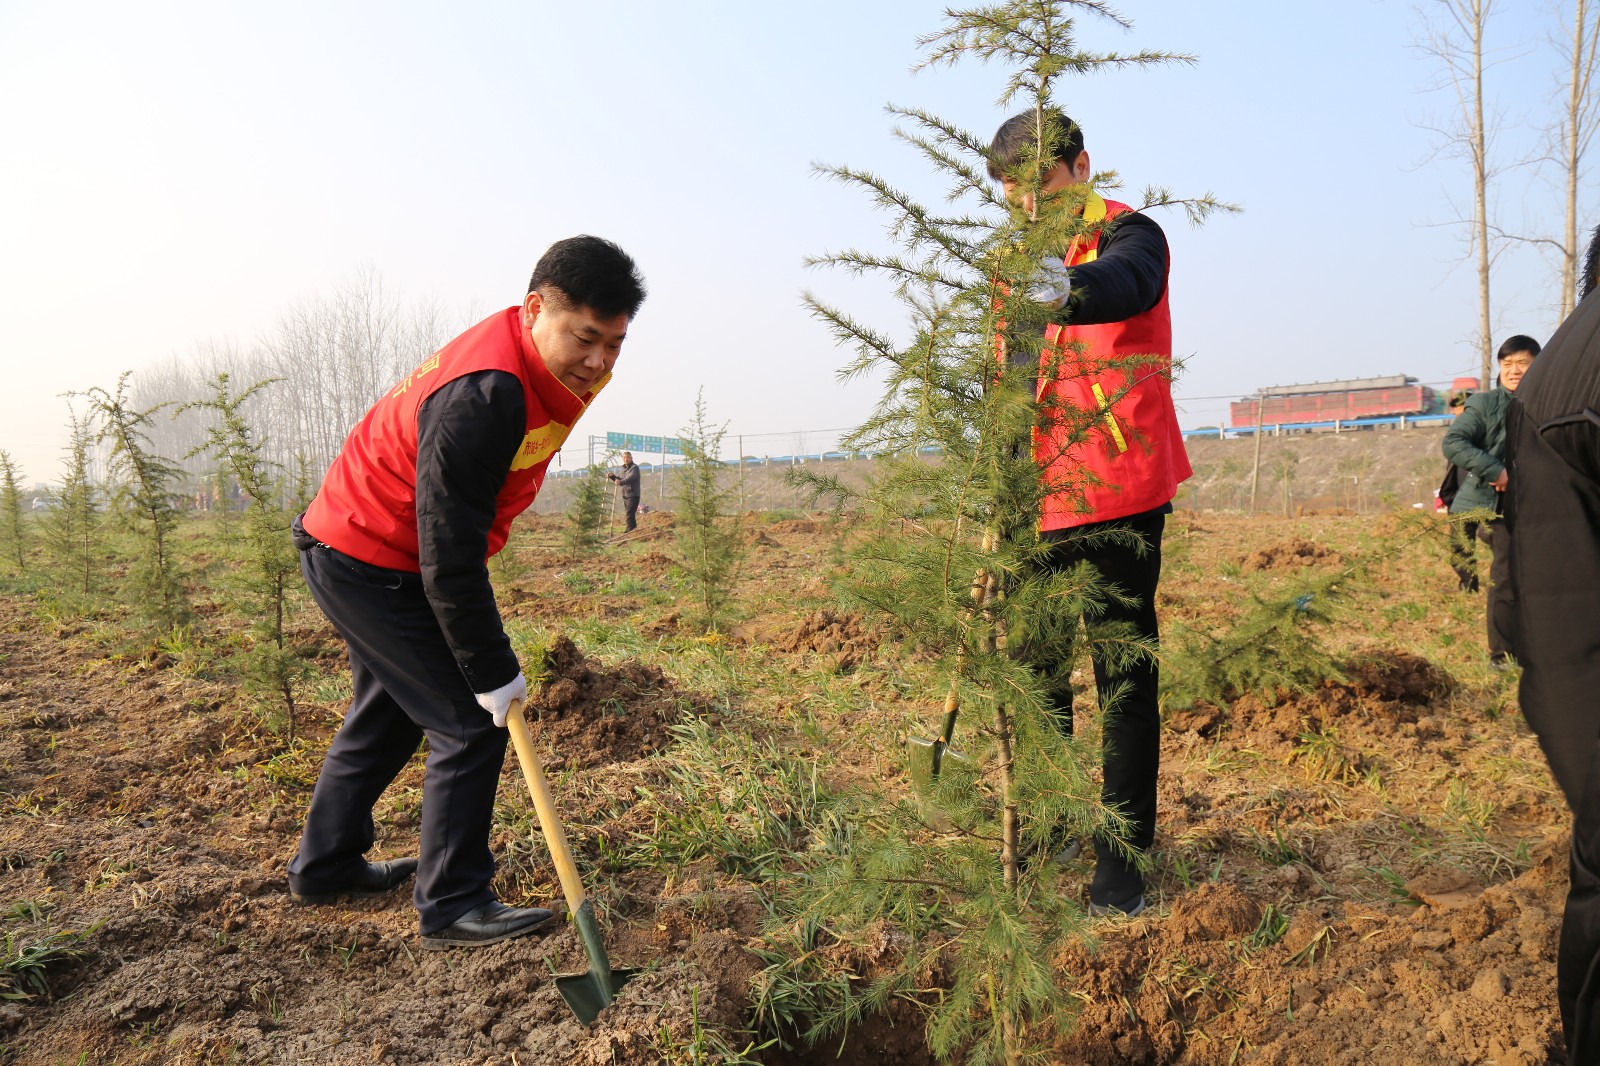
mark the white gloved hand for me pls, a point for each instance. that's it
(498, 703)
(1052, 284)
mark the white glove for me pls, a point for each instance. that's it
(498, 703)
(1052, 284)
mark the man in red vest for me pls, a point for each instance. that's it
(394, 550)
(1106, 363)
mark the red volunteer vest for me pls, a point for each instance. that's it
(367, 505)
(1133, 460)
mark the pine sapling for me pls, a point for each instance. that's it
(955, 566)
(584, 533)
(12, 544)
(270, 576)
(706, 544)
(72, 536)
(144, 494)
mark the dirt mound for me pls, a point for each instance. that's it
(827, 632)
(806, 526)
(1397, 675)
(1339, 984)
(1295, 552)
(592, 715)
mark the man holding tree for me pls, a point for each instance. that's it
(1106, 363)
(394, 550)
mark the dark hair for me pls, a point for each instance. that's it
(1591, 266)
(1519, 343)
(1019, 134)
(589, 272)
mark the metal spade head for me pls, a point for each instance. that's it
(587, 994)
(927, 758)
(590, 993)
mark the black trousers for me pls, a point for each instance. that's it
(407, 686)
(1132, 729)
(1502, 605)
(631, 504)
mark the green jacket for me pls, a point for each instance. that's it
(1476, 442)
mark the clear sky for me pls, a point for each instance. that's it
(173, 173)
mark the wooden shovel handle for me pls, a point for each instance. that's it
(545, 805)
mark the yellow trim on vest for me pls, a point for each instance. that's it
(1110, 419)
(1094, 210)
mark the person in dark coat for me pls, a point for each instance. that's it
(1553, 511)
(628, 479)
(1475, 443)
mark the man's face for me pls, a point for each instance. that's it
(577, 346)
(1512, 367)
(627, 458)
(1057, 179)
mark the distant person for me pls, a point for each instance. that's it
(1553, 436)
(628, 480)
(1110, 292)
(1476, 442)
(394, 550)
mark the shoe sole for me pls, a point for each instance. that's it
(317, 899)
(439, 943)
(1107, 910)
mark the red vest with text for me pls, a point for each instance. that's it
(367, 506)
(1130, 458)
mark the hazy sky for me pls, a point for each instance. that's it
(176, 173)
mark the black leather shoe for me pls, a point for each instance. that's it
(375, 880)
(488, 924)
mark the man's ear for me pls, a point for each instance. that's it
(1081, 170)
(531, 306)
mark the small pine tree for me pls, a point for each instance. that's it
(274, 664)
(144, 495)
(586, 517)
(707, 543)
(12, 544)
(956, 567)
(1274, 648)
(72, 536)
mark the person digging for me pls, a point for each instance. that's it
(394, 550)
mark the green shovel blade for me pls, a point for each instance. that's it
(590, 993)
(926, 758)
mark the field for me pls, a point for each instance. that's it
(1371, 872)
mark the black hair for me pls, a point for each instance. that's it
(1591, 266)
(1019, 134)
(1520, 343)
(590, 272)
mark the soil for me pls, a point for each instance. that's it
(1370, 873)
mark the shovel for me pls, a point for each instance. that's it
(928, 756)
(586, 993)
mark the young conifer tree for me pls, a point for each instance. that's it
(72, 537)
(955, 568)
(706, 539)
(12, 544)
(145, 496)
(270, 576)
(586, 517)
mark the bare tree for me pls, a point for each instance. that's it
(1577, 127)
(1453, 34)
